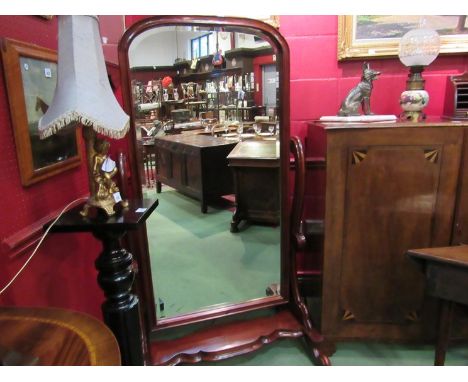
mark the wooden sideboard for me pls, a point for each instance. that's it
(390, 187)
(195, 165)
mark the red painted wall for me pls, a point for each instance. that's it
(62, 272)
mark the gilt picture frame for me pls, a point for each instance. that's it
(30, 75)
(378, 36)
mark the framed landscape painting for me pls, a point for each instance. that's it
(31, 76)
(368, 36)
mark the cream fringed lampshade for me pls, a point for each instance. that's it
(83, 93)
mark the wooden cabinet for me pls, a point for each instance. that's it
(195, 165)
(390, 188)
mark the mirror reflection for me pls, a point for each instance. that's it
(206, 119)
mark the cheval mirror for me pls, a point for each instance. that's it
(210, 139)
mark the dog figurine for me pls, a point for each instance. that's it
(360, 94)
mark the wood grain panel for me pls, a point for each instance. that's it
(388, 190)
(460, 227)
(58, 337)
(193, 173)
(391, 197)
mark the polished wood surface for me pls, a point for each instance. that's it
(221, 342)
(191, 141)
(129, 218)
(398, 124)
(446, 273)
(456, 255)
(320, 347)
(460, 226)
(255, 166)
(195, 165)
(390, 187)
(256, 151)
(57, 337)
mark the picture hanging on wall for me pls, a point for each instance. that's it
(31, 75)
(378, 36)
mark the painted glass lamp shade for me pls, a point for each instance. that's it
(84, 95)
(418, 49)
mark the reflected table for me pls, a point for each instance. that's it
(195, 165)
(256, 168)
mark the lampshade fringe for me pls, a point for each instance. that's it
(72, 116)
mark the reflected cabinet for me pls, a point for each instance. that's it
(390, 188)
(195, 165)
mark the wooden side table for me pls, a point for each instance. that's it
(446, 271)
(121, 308)
(256, 168)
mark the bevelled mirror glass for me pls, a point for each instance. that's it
(208, 137)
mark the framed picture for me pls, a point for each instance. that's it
(274, 21)
(364, 36)
(31, 76)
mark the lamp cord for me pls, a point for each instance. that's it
(66, 208)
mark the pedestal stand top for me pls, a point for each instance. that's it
(127, 219)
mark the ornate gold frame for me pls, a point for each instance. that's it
(349, 48)
(272, 20)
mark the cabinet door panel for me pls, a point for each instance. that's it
(388, 190)
(164, 163)
(460, 228)
(391, 195)
(193, 174)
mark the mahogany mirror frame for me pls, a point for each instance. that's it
(290, 318)
(138, 242)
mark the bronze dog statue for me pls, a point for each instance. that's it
(360, 94)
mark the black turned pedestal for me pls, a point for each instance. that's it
(121, 308)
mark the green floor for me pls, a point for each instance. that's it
(197, 262)
(196, 246)
(291, 353)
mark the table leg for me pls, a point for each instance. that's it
(445, 320)
(236, 219)
(121, 308)
(203, 205)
